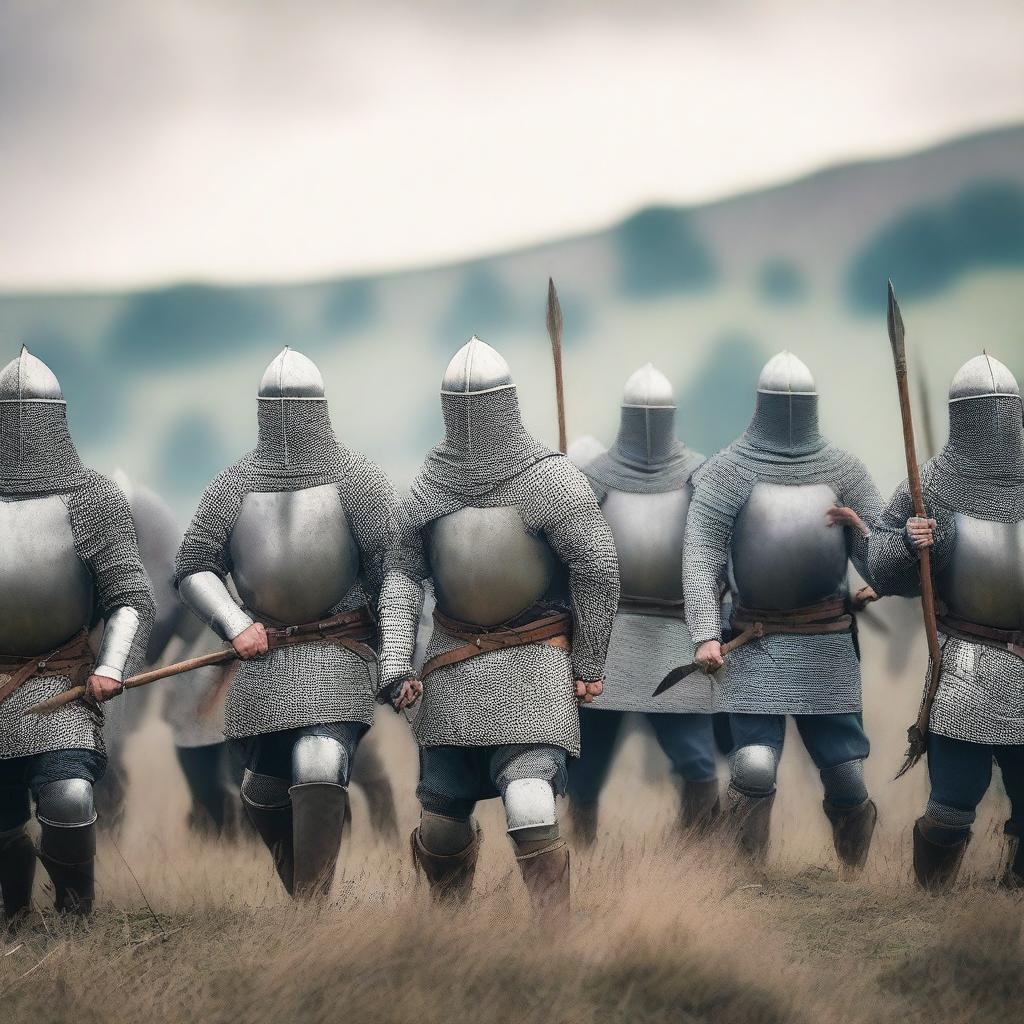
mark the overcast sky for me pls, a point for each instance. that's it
(229, 139)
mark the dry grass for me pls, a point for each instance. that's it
(661, 930)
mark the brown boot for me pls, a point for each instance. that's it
(545, 867)
(1012, 876)
(852, 828)
(749, 820)
(701, 805)
(936, 864)
(450, 876)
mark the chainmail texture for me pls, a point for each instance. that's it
(645, 648)
(523, 694)
(777, 674)
(980, 471)
(979, 698)
(315, 683)
(485, 444)
(37, 453)
(104, 536)
(647, 457)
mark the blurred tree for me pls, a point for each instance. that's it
(716, 406)
(481, 306)
(926, 249)
(660, 252)
(349, 305)
(191, 453)
(780, 282)
(192, 322)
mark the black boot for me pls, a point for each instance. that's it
(701, 805)
(545, 867)
(450, 876)
(68, 853)
(1012, 876)
(17, 872)
(937, 863)
(274, 825)
(749, 820)
(319, 813)
(852, 828)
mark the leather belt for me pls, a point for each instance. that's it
(1011, 640)
(354, 630)
(830, 616)
(551, 628)
(73, 658)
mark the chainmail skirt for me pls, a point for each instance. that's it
(77, 725)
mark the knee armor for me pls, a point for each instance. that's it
(66, 802)
(530, 809)
(319, 759)
(754, 769)
(844, 783)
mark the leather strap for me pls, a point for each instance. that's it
(1001, 639)
(552, 629)
(825, 617)
(353, 630)
(68, 660)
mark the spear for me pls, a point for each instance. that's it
(917, 734)
(554, 319)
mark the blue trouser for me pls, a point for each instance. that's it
(21, 778)
(831, 740)
(687, 740)
(960, 774)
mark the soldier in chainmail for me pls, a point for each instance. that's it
(68, 558)
(974, 495)
(524, 573)
(302, 526)
(643, 486)
(762, 523)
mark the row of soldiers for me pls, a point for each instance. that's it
(304, 560)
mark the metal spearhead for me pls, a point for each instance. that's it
(554, 317)
(554, 322)
(894, 321)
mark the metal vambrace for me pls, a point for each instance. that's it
(208, 597)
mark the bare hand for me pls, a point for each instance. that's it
(586, 690)
(411, 691)
(101, 688)
(251, 642)
(921, 532)
(709, 656)
(842, 516)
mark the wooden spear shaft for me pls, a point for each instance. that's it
(918, 732)
(67, 696)
(554, 321)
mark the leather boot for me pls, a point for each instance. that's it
(1012, 876)
(584, 824)
(274, 825)
(936, 864)
(545, 867)
(17, 871)
(852, 828)
(450, 876)
(68, 853)
(318, 819)
(701, 805)
(749, 820)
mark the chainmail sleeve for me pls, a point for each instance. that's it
(574, 526)
(857, 490)
(892, 562)
(370, 501)
(105, 540)
(204, 547)
(718, 495)
(401, 596)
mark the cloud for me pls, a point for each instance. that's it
(236, 141)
